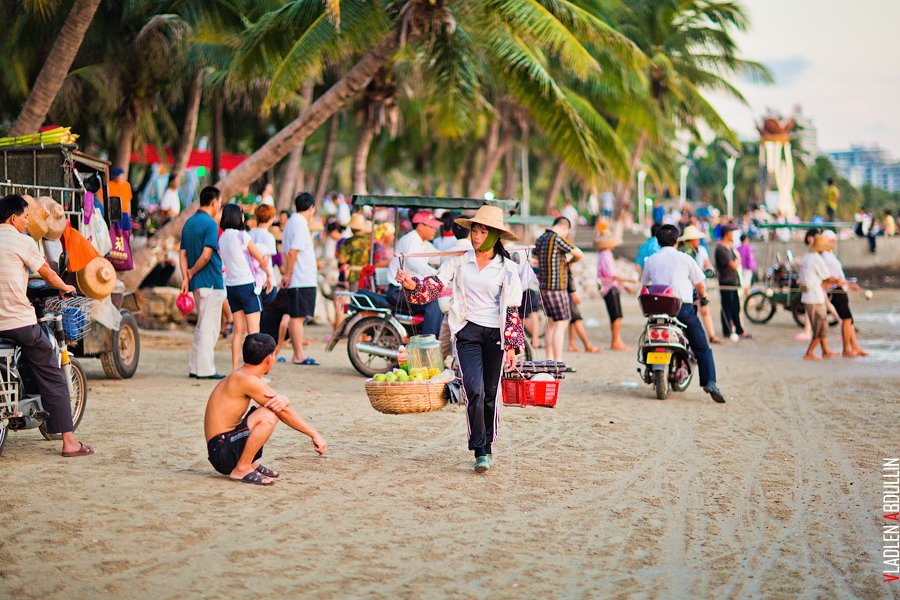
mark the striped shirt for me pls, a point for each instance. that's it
(20, 253)
(551, 250)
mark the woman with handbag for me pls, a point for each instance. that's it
(241, 285)
(484, 320)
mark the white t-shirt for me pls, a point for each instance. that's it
(482, 291)
(232, 249)
(265, 243)
(297, 237)
(673, 268)
(170, 201)
(411, 243)
(835, 269)
(812, 272)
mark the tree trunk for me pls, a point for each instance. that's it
(270, 153)
(189, 131)
(497, 147)
(218, 136)
(324, 177)
(55, 69)
(292, 180)
(510, 174)
(361, 155)
(624, 191)
(555, 187)
(125, 142)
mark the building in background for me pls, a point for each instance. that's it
(868, 164)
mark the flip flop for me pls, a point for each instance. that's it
(253, 477)
(267, 472)
(82, 451)
(308, 362)
(282, 359)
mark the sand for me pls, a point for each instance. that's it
(613, 494)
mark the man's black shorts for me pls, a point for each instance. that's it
(225, 449)
(841, 303)
(301, 302)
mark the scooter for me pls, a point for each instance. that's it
(663, 348)
(20, 401)
(374, 332)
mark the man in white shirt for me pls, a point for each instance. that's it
(300, 273)
(170, 205)
(813, 276)
(416, 241)
(676, 269)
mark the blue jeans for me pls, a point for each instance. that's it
(699, 345)
(431, 311)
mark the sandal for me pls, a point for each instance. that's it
(267, 472)
(254, 477)
(308, 362)
(229, 329)
(715, 340)
(83, 450)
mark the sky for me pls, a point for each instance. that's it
(837, 59)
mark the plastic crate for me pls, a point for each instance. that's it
(522, 392)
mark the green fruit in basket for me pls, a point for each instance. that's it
(379, 377)
(418, 377)
(402, 376)
(390, 377)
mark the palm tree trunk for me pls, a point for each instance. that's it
(189, 131)
(555, 187)
(292, 179)
(125, 141)
(270, 153)
(361, 155)
(624, 191)
(55, 69)
(218, 136)
(496, 149)
(510, 174)
(324, 177)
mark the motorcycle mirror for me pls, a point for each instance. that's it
(62, 263)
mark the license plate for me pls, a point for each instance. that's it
(658, 358)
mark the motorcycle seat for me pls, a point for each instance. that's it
(377, 300)
(7, 344)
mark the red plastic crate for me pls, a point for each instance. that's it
(522, 392)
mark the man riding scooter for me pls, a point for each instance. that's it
(676, 269)
(18, 321)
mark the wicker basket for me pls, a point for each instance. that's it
(396, 398)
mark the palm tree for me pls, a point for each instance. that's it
(690, 47)
(466, 43)
(56, 68)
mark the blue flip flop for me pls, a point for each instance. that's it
(308, 362)
(281, 359)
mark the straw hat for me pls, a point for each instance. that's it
(56, 217)
(359, 224)
(821, 244)
(97, 279)
(607, 241)
(316, 225)
(489, 216)
(37, 218)
(691, 232)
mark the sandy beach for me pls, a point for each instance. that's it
(613, 494)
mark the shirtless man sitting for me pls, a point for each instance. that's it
(235, 435)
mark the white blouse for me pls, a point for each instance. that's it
(482, 291)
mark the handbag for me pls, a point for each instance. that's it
(120, 254)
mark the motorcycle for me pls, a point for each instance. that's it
(373, 330)
(663, 348)
(20, 401)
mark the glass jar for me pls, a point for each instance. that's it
(424, 352)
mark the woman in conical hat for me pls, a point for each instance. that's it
(483, 319)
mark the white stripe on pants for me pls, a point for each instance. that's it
(209, 310)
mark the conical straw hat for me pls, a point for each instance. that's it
(489, 216)
(37, 218)
(56, 217)
(97, 279)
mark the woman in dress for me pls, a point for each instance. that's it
(484, 321)
(237, 251)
